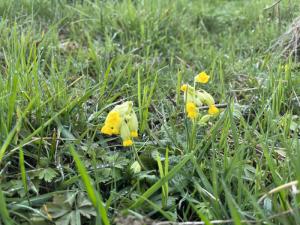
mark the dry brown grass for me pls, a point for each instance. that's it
(289, 42)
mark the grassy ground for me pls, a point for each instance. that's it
(64, 65)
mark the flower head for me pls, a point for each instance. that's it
(202, 78)
(191, 110)
(213, 110)
(122, 120)
(106, 130)
(184, 87)
(134, 134)
(127, 143)
(113, 118)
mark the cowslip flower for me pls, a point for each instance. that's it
(191, 109)
(122, 120)
(190, 95)
(112, 123)
(205, 98)
(213, 110)
(196, 98)
(202, 78)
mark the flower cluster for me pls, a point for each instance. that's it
(122, 120)
(196, 98)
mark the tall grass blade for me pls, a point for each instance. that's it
(94, 196)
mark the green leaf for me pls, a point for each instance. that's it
(47, 174)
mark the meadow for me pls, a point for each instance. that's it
(64, 67)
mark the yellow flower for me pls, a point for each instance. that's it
(184, 87)
(106, 130)
(191, 110)
(202, 78)
(113, 118)
(122, 120)
(134, 134)
(112, 124)
(115, 130)
(127, 143)
(213, 110)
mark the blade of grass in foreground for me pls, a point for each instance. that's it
(94, 196)
(23, 171)
(14, 130)
(4, 215)
(160, 182)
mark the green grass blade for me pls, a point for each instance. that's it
(14, 130)
(3, 211)
(94, 196)
(22, 168)
(160, 182)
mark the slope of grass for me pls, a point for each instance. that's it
(65, 64)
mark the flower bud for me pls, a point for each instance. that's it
(205, 97)
(133, 124)
(135, 167)
(125, 134)
(204, 119)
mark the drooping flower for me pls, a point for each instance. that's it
(213, 110)
(195, 98)
(191, 110)
(190, 95)
(134, 134)
(122, 120)
(202, 78)
(106, 130)
(112, 123)
(127, 143)
(205, 97)
(184, 87)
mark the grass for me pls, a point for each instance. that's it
(65, 64)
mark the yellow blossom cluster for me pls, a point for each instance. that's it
(196, 98)
(122, 120)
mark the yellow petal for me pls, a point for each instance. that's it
(106, 130)
(113, 118)
(191, 110)
(184, 87)
(213, 110)
(202, 78)
(127, 143)
(134, 134)
(192, 115)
